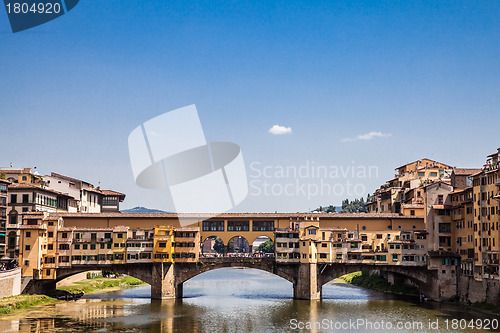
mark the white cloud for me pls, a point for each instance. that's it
(278, 130)
(367, 136)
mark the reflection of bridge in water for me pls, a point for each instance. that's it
(167, 279)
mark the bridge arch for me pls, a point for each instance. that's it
(259, 240)
(418, 275)
(264, 264)
(238, 244)
(212, 245)
(142, 272)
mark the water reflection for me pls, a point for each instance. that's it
(227, 300)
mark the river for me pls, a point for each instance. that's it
(244, 300)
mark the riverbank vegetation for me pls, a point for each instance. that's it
(9, 304)
(377, 282)
(99, 283)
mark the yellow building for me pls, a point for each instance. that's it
(163, 243)
(486, 218)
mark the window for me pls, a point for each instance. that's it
(85, 246)
(13, 217)
(27, 247)
(421, 174)
(28, 234)
(120, 235)
(77, 246)
(13, 198)
(238, 225)
(379, 236)
(322, 255)
(324, 244)
(64, 235)
(213, 225)
(107, 235)
(412, 212)
(162, 244)
(63, 258)
(51, 234)
(263, 225)
(50, 246)
(311, 231)
(92, 246)
(440, 199)
(364, 238)
(50, 260)
(26, 198)
(26, 263)
(63, 246)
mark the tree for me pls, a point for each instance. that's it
(331, 209)
(355, 206)
(266, 247)
(219, 245)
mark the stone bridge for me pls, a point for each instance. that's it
(167, 279)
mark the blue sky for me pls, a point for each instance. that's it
(425, 74)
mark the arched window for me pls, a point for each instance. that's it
(13, 217)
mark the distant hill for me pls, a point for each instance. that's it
(142, 210)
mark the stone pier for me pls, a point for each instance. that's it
(165, 282)
(307, 285)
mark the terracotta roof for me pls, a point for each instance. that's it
(67, 178)
(413, 206)
(477, 173)
(428, 159)
(187, 229)
(203, 216)
(16, 171)
(4, 181)
(465, 172)
(15, 186)
(111, 192)
(66, 229)
(33, 227)
(91, 229)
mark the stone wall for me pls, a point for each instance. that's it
(10, 282)
(486, 290)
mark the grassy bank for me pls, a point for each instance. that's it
(377, 282)
(91, 285)
(9, 304)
